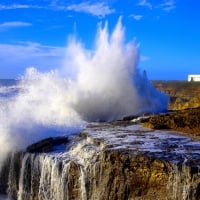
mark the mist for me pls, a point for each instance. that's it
(102, 84)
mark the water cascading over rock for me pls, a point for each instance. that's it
(103, 162)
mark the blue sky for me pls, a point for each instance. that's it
(35, 33)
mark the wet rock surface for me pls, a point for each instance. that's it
(113, 161)
(47, 145)
(187, 121)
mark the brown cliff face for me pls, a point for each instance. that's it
(187, 121)
(124, 176)
(182, 94)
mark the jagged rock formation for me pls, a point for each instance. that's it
(182, 94)
(117, 161)
(187, 121)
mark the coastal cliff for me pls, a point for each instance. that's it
(112, 161)
(182, 94)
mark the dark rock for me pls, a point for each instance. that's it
(130, 117)
(4, 176)
(47, 145)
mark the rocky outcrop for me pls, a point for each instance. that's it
(47, 145)
(129, 177)
(187, 121)
(182, 94)
(108, 161)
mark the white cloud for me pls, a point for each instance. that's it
(24, 6)
(14, 24)
(145, 3)
(13, 6)
(137, 17)
(16, 57)
(99, 9)
(168, 5)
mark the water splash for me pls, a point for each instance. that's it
(104, 84)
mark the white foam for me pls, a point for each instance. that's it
(104, 84)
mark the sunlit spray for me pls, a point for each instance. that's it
(92, 85)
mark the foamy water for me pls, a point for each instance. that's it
(104, 84)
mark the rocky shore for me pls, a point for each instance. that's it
(151, 157)
(113, 161)
(184, 108)
(185, 121)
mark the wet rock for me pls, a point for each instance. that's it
(10, 174)
(108, 161)
(4, 176)
(187, 121)
(47, 145)
(123, 176)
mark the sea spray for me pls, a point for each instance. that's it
(108, 85)
(105, 84)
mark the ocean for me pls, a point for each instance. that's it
(8, 88)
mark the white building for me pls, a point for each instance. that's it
(194, 77)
